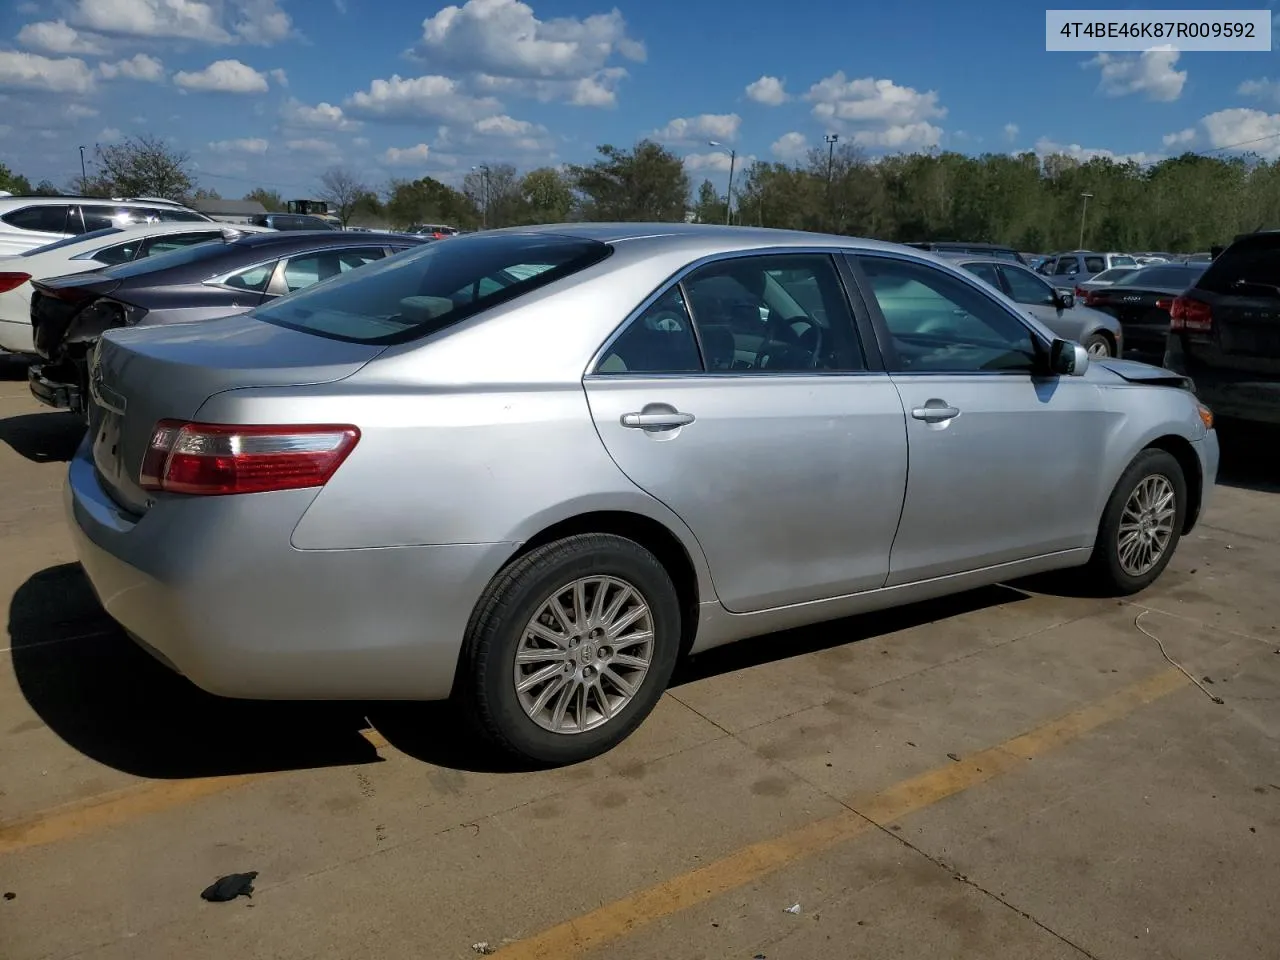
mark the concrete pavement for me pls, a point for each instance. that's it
(1010, 773)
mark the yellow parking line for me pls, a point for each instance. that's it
(749, 864)
(120, 806)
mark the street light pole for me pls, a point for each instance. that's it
(83, 175)
(728, 197)
(1084, 207)
(832, 139)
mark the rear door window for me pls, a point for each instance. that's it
(120, 253)
(176, 241)
(45, 218)
(1065, 266)
(253, 279)
(1094, 264)
(439, 284)
(986, 271)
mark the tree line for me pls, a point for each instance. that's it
(1183, 204)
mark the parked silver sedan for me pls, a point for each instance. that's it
(1059, 310)
(531, 469)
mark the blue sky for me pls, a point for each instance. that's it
(271, 92)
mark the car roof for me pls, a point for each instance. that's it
(269, 238)
(28, 201)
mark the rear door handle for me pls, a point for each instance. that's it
(939, 413)
(656, 421)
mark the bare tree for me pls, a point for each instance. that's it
(344, 190)
(143, 166)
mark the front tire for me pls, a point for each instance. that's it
(1141, 524)
(1098, 346)
(571, 647)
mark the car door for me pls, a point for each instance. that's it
(1041, 301)
(742, 398)
(1000, 453)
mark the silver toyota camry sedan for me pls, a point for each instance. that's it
(531, 469)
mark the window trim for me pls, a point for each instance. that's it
(863, 329)
(886, 337)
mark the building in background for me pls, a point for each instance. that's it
(230, 211)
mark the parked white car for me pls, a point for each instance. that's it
(90, 251)
(28, 222)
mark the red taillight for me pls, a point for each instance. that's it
(1082, 293)
(12, 281)
(1191, 315)
(1165, 304)
(217, 459)
(71, 294)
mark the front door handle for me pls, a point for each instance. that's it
(657, 421)
(935, 411)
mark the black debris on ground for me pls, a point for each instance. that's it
(229, 887)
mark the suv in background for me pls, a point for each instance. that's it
(971, 249)
(1224, 332)
(290, 221)
(435, 231)
(30, 222)
(1068, 269)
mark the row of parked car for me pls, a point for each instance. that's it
(146, 261)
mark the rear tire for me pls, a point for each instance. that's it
(1141, 525)
(1099, 346)
(589, 627)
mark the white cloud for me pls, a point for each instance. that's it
(323, 116)
(397, 156)
(223, 76)
(790, 146)
(78, 111)
(109, 135)
(716, 161)
(768, 90)
(280, 77)
(244, 145)
(312, 145)
(598, 90)
(902, 136)
(707, 126)
(1264, 89)
(869, 100)
(54, 36)
(139, 67)
(262, 22)
(33, 72)
(417, 98)
(361, 142)
(504, 126)
(1047, 148)
(1011, 132)
(1183, 138)
(1149, 73)
(1245, 130)
(504, 38)
(165, 19)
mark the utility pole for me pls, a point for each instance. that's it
(1084, 207)
(728, 197)
(832, 139)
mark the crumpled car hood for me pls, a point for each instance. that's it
(1135, 372)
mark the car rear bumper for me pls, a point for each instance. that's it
(212, 587)
(53, 391)
(1229, 394)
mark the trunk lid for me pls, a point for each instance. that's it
(1242, 289)
(1145, 324)
(139, 376)
(56, 303)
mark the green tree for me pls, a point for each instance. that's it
(45, 188)
(709, 207)
(271, 200)
(495, 190)
(647, 182)
(410, 202)
(14, 183)
(141, 166)
(546, 195)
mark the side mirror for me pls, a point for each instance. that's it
(1064, 299)
(1068, 359)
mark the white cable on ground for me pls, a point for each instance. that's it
(1137, 622)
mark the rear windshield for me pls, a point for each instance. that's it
(1115, 274)
(1164, 276)
(1250, 267)
(163, 261)
(79, 238)
(424, 289)
(1123, 260)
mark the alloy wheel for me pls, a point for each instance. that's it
(1146, 525)
(584, 655)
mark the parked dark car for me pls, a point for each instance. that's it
(290, 221)
(970, 249)
(201, 282)
(1224, 331)
(1141, 303)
